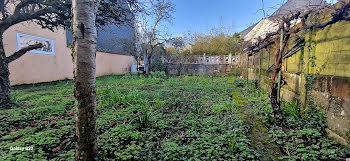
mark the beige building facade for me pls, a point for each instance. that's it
(55, 61)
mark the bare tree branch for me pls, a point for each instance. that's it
(21, 52)
(340, 14)
(152, 33)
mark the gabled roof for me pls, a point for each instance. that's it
(298, 5)
(262, 28)
(269, 25)
(247, 30)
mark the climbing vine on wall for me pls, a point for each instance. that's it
(283, 34)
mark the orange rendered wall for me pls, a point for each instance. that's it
(36, 68)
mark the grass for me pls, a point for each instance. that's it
(158, 118)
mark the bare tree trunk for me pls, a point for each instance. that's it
(5, 98)
(148, 66)
(85, 43)
(137, 63)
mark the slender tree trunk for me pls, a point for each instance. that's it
(85, 43)
(148, 66)
(247, 70)
(137, 63)
(5, 98)
(261, 55)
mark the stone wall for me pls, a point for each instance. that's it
(326, 55)
(199, 64)
(199, 59)
(198, 69)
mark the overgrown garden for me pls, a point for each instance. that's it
(165, 118)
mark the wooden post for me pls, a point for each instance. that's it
(260, 57)
(268, 62)
(229, 59)
(279, 72)
(253, 61)
(247, 72)
(235, 65)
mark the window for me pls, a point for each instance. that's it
(24, 40)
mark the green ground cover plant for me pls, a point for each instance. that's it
(302, 135)
(161, 118)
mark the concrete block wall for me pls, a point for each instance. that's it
(326, 53)
(198, 69)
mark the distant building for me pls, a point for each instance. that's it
(270, 24)
(188, 47)
(54, 61)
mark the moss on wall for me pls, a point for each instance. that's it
(327, 54)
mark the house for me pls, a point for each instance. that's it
(271, 24)
(54, 61)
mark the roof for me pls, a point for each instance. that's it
(298, 5)
(247, 30)
(112, 38)
(262, 28)
(269, 25)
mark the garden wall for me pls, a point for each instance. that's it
(323, 62)
(36, 68)
(198, 69)
(199, 64)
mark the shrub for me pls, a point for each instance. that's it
(239, 83)
(131, 75)
(157, 74)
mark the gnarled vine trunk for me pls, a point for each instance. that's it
(5, 97)
(85, 44)
(275, 87)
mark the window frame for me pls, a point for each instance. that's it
(52, 42)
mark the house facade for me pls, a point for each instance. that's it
(54, 61)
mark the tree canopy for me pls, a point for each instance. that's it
(54, 13)
(51, 14)
(213, 44)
